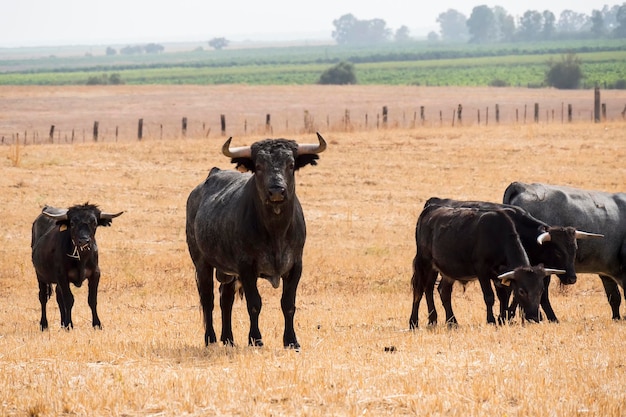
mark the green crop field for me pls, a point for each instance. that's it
(417, 63)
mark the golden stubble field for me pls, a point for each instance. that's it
(361, 203)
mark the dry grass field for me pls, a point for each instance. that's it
(361, 203)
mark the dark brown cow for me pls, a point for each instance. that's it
(64, 251)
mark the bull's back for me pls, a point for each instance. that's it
(589, 211)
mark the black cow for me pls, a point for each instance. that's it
(552, 246)
(64, 251)
(465, 244)
(601, 212)
(247, 226)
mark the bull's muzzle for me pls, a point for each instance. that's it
(276, 194)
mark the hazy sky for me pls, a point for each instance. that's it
(62, 22)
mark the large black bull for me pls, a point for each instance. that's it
(64, 251)
(595, 211)
(552, 246)
(247, 226)
(468, 243)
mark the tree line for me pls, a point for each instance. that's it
(492, 24)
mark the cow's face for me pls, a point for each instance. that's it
(527, 284)
(560, 252)
(274, 168)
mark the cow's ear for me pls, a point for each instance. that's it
(243, 164)
(304, 160)
(104, 222)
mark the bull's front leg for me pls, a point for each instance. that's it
(227, 298)
(92, 299)
(65, 300)
(253, 302)
(44, 294)
(485, 285)
(288, 305)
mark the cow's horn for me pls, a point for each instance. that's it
(507, 277)
(109, 216)
(554, 271)
(586, 235)
(55, 213)
(309, 148)
(239, 152)
(544, 237)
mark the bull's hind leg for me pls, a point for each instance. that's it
(65, 300)
(227, 298)
(44, 295)
(204, 281)
(612, 294)
(431, 279)
(418, 282)
(445, 293)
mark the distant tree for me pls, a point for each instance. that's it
(530, 25)
(505, 24)
(620, 17)
(566, 73)
(115, 79)
(219, 43)
(351, 31)
(153, 48)
(571, 21)
(131, 50)
(482, 25)
(597, 24)
(548, 29)
(342, 73)
(402, 35)
(453, 26)
(432, 37)
(110, 51)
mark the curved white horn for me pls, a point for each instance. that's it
(554, 271)
(55, 213)
(506, 275)
(311, 148)
(109, 216)
(586, 235)
(544, 237)
(239, 152)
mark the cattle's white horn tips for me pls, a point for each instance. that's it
(239, 152)
(587, 235)
(544, 237)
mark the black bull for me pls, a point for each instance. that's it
(468, 243)
(600, 212)
(64, 251)
(552, 246)
(245, 226)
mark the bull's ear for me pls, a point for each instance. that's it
(304, 160)
(243, 164)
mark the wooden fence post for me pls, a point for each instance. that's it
(569, 113)
(95, 131)
(52, 134)
(498, 113)
(536, 112)
(184, 127)
(478, 113)
(596, 104)
(603, 111)
(459, 113)
(140, 129)
(385, 116)
(422, 116)
(268, 123)
(223, 124)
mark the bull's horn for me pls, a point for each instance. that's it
(554, 271)
(506, 275)
(109, 216)
(586, 235)
(55, 213)
(544, 237)
(239, 152)
(309, 148)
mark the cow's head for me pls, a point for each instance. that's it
(527, 283)
(81, 221)
(274, 162)
(560, 249)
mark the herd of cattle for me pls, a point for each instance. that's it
(241, 226)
